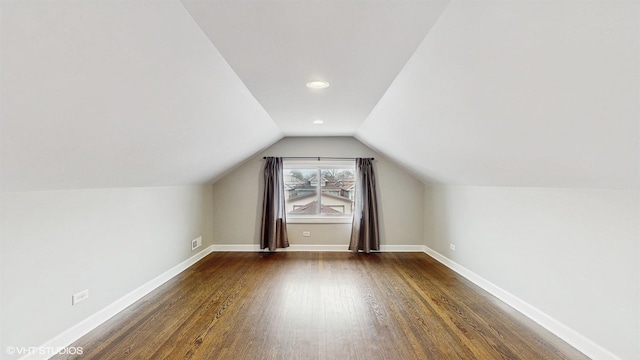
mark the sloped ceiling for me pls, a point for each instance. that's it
(519, 93)
(119, 94)
(147, 93)
(275, 47)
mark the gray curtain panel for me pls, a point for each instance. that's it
(274, 223)
(365, 235)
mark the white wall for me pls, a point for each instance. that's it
(110, 241)
(571, 253)
(400, 197)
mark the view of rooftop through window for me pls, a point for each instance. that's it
(319, 190)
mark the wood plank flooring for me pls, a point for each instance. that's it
(313, 305)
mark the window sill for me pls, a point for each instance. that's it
(319, 220)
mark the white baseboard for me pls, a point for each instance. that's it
(236, 248)
(303, 247)
(401, 248)
(256, 248)
(575, 339)
(567, 334)
(82, 328)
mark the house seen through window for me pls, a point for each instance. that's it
(319, 189)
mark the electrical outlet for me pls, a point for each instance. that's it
(306, 233)
(452, 247)
(81, 296)
(196, 243)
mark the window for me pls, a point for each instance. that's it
(320, 190)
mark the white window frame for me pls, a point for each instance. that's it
(319, 164)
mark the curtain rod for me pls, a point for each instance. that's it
(318, 157)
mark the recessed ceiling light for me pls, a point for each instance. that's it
(318, 122)
(317, 84)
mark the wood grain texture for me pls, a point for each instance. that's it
(314, 305)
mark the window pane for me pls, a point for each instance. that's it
(337, 192)
(300, 187)
(319, 191)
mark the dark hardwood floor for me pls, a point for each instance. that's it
(312, 305)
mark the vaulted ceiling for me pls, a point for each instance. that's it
(151, 93)
(275, 47)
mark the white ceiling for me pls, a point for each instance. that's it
(275, 47)
(519, 93)
(150, 93)
(112, 94)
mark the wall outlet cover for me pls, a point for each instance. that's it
(196, 243)
(81, 296)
